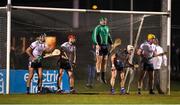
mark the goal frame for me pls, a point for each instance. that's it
(167, 28)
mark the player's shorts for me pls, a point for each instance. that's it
(35, 64)
(64, 64)
(103, 50)
(148, 67)
(119, 65)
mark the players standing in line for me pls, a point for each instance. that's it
(157, 63)
(35, 51)
(67, 61)
(147, 51)
(101, 38)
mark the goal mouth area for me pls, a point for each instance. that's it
(29, 23)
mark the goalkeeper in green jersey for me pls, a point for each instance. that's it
(101, 39)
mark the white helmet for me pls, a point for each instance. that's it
(129, 47)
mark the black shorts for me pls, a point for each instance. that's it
(35, 64)
(148, 67)
(64, 64)
(119, 65)
(103, 50)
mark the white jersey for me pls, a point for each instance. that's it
(37, 48)
(148, 50)
(159, 60)
(70, 50)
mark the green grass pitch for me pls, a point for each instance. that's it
(93, 98)
(98, 95)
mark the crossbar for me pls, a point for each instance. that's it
(2, 8)
(89, 10)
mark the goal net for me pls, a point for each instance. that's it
(27, 25)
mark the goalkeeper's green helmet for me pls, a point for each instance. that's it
(102, 18)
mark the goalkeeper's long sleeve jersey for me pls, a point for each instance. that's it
(101, 35)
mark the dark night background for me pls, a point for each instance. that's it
(139, 5)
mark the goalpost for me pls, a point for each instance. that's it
(166, 15)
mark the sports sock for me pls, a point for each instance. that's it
(39, 88)
(71, 88)
(27, 89)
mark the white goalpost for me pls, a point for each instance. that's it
(10, 7)
(8, 46)
(169, 43)
(129, 70)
